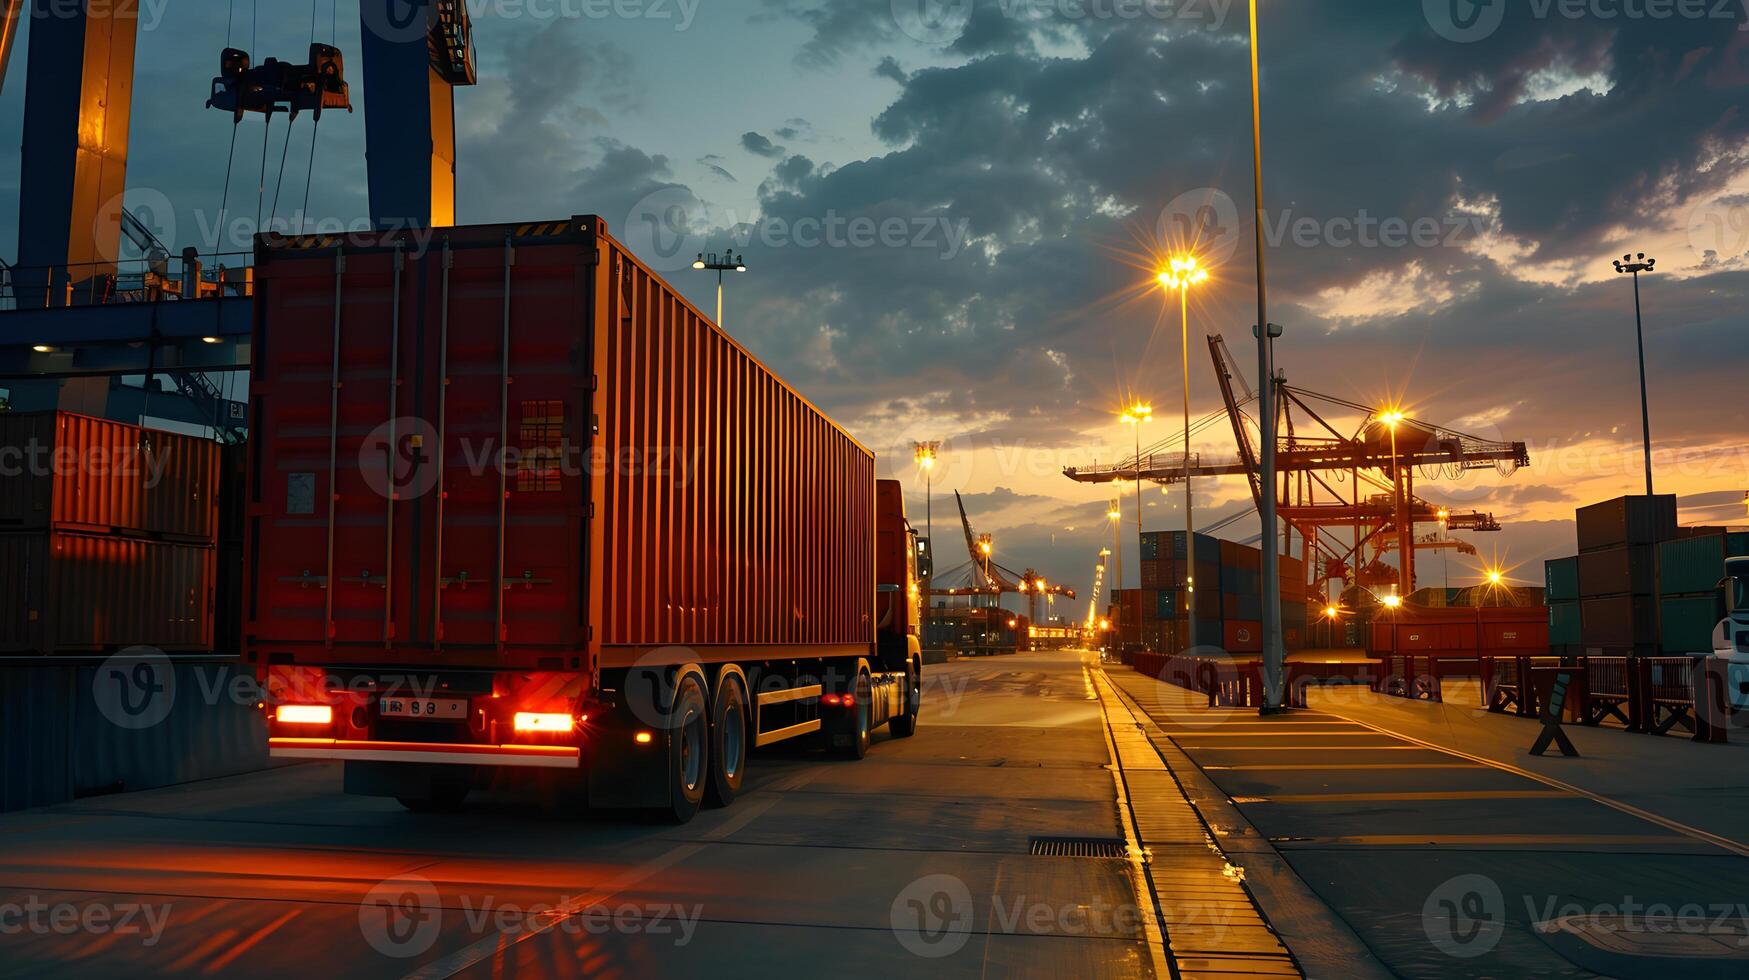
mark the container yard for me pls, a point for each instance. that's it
(468, 476)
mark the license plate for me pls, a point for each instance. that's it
(432, 709)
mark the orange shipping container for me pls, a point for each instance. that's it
(74, 472)
(71, 592)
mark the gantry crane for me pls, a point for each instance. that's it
(984, 576)
(1377, 462)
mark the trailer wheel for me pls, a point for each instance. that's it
(688, 749)
(728, 743)
(904, 724)
(856, 720)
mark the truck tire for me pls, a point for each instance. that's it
(904, 724)
(856, 720)
(728, 743)
(688, 749)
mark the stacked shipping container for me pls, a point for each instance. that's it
(107, 536)
(1616, 583)
(1228, 594)
(1636, 569)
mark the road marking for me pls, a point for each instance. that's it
(1339, 767)
(1300, 748)
(1706, 837)
(1409, 797)
(1480, 840)
(494, 947)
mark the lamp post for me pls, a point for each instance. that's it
(719, 265)
(1273, 654)
(985, 546)
(924, 454)
(1637, 264)
(1115, 513)
(1405, 530)
(1137, 416)
(1185, 273)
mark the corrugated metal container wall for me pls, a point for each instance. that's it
(1636, 520)
(1618, 623)
(731, 511)
(75, 592)
(768, 538)
(1616, 571)
(1688, 623)
(1691, 565)
(1561, 579)
(36, 735)
(77, 472)
(1564, 623)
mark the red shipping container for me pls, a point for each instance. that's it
(74, 472)
(517, 446)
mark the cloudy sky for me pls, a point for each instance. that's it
(952, 211)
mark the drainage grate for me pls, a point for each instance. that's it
(1079, 847)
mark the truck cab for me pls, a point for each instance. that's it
(1731, 637)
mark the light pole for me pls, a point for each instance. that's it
(1136, 416)
(1185, 273)
(924, 453)
(985, 546)
(719, 265)
(1115, 513)
(1273, 654)
(1400, 507)
(1637, 264)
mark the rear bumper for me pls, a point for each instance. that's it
(522, 756)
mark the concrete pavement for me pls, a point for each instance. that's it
(917, 859)
(1448, 853)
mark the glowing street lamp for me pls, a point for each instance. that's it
(1183, 273)
(925, 455)
(720, 264)
(1392, 418)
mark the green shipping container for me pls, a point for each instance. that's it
(1689, 566)
(1561, 579)
(1689, 621)
(1564, 623)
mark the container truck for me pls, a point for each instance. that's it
(515, 505)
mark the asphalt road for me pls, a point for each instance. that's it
(916, 859)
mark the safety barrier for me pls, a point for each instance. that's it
(1650, 695)
(1226, 682)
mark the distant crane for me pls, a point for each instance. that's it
(1382, 455)
(984, 576)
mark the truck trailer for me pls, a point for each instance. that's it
(517, 508)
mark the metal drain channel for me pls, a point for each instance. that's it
(1079, 847)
